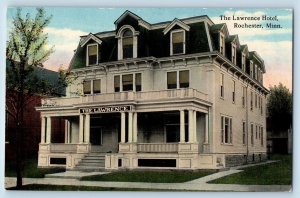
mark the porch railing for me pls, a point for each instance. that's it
(126, 96)
(157, 147)
(63, 148)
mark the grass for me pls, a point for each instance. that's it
(279, 173)
(150, 176)
(30, 169)
(44, 187)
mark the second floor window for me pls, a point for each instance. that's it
(251, 101)
(244, 132)
(177, 79)
(92, 54)
(127, 82)
(127, 44)
(222, 85)
(91, 87)
(177, 42)
(244, 95)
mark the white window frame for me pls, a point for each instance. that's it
(133, 81)
(171, 41)
(244, 135)
(222, 44)
(233, 53)
(243, 62)
(87, 53)
(233, 92)
(222, 88)
(177, 78)
(92, 86)
(230, 132)
(119, 36)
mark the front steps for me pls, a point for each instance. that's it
(91, 162)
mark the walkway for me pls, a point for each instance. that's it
(71, 178)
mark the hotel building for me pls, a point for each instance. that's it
(181, 94)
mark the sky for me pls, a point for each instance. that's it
(274, 45)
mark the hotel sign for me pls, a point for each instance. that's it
(107, 109)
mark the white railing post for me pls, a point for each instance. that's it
(123, 127)
(182, 127)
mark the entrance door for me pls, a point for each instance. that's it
(96, 137)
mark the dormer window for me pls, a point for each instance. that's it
(233, 54)
(251, 69)
(177, 42)
(92, 54)
(243, 62)
(222, 44)
(127, 44)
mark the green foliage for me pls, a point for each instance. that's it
(150, 176)
(279, 173)
(30, 169)
(280, 108)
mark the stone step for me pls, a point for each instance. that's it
(90, 164)
(92, 160)
(89, 168)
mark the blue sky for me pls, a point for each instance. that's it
(274, 45)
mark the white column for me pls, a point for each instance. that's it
(43, 130)
(130, 127)
(135, 128)
(81, 128)
(67, 131)
(182, 127)
(87, 128)
(122, 127)
(48, 133)
(195, 126)
(191, 126)
(206, 128)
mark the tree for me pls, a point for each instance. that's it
(280, 108)
(25, 51)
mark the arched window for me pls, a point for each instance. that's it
(127, 43)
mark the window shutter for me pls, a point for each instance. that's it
(97, 86)
(87, 87)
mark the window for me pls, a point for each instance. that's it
(96, 86)
(251, 101)
(222, 44)
(252, 137)
(87, 87)
(117, 83)
(92, 87)
(222, 85)
(233, 55)
(177, 42)
(127, 44)
(92, 54)
(262, 136)
(127, 82)
(226, 130)
(255, 72)
(255, 100)
(261, 106)
(251, 69)
(184, 79)
(243, 97)
(244, 132)
(172, 80)
(138, 82)
(243, 62)
(256, 131)
(233, 91)
(183, 76)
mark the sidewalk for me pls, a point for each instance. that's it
(71, 178)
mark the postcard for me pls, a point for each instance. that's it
(149, 99)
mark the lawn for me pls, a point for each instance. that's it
(151, 176)
(279, 173)
(30, 169)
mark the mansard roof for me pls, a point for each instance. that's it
(256, 58)
(127, 13)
